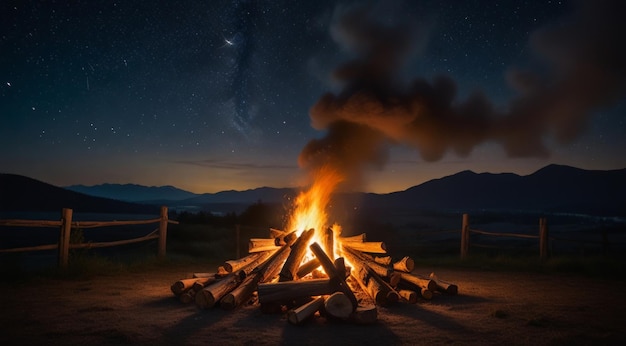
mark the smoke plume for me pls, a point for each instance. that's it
(584, 69)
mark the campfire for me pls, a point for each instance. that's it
(312, 269)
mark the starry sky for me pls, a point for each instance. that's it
(218, 95)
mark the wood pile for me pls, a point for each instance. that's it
(276, 276)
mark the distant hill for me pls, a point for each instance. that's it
(554, 188)
(19, 193)
(133, 192)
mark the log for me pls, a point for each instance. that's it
(333, 274)
(210, 295)
(426, 293)
(261, 273)
(234, 265)
(366, 314)
(261, 244)
(179, 287)
(202, 283)
(406, 264)
(304, 312)
(370, 246)
(365, 276)
(356, 238)
(202, 275)
(418, 281)
(328, 239)
(298, 250)
(307, 267)
(287, 239)
(188, 297)
(276, 233)
(338, 305)
(383, 260)
(340, 266)
(444, 286)
(381, 270)
(289, 290)
(408, 295)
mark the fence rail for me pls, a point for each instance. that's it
(66, 224)
(543, 236)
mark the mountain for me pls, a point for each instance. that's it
(133, 192)
(554, 188)
(264, 194)
(19, 193)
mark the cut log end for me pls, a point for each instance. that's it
(338, 305)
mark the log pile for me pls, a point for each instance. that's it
(276, 276)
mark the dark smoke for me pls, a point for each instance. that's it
(585, 58)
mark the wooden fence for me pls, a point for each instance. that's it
(66, 224)
(544, 239)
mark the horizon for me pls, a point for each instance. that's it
(244, 95)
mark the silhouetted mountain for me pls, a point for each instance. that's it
(133, 192)
(263, 194)
(19, 193)
(553, 188)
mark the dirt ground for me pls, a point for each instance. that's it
(491, 308)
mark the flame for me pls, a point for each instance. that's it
(310, 209)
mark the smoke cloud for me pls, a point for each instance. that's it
(585, 56)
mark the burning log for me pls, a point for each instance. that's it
(338, 305)
(333, 273)
(307, 267)
(261, 244)
(406, 264)
(370, 246)
(379, 269)
(289, 290)
(264, 272)
(370, 282)
(329, 242)
(211, 294)
(444, 286)
(281, 237)
(383, 260)
(298, 250)
(304, 312)
(355, 238)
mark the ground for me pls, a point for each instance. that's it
(492, 308)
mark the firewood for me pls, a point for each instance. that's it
(370, 246)
(426, 293)
(264, 271)
(419, 281)
(307, 267)
(444, 286)
(328, 239)
(340, 266)
(338, 305)
(202, 283)
(179, 287)
(276, 233)
(366, 314)
(356, 238)
(202, 275)
(383, 260)
(288, 290)
(406, 264)
(234, 265)
(408, 295)
(210, 295)
(304, 312)
(381, 270)
(369, 281)
(298, 250)
(332, 273)
(261, 244)
(188, 297)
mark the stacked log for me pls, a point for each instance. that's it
(274, 269)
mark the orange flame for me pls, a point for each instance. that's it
(310, 207)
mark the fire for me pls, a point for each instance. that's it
(310, 207)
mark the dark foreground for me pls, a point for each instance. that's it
(492, 308)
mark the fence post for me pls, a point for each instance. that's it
(64, 237)
(465, 236)
(543, 238)
(162, 232)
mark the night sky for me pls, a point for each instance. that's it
(218, 95)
